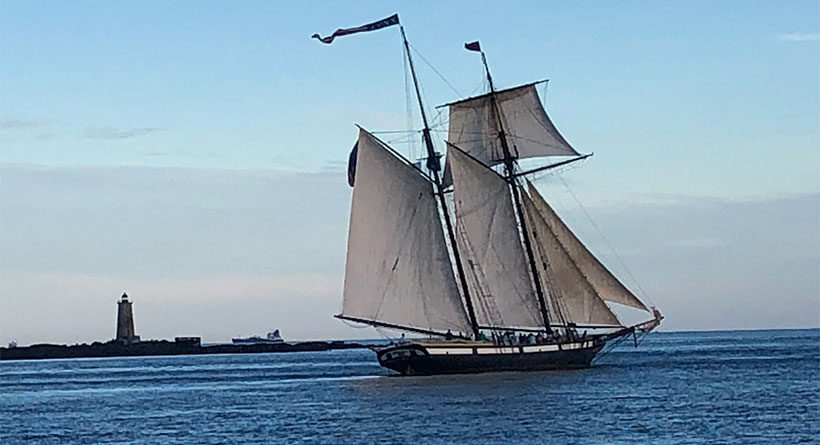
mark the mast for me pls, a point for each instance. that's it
(509, 169)
(434, 166)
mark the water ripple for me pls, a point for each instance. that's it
(686, 387)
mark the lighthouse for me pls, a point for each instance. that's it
(125, 322)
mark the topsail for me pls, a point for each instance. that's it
(530, 132)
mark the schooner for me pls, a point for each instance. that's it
(482, 277)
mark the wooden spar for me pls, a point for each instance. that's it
(509, 166)
(394, 326)
(551, 166)
(645, 326)
(432, 160)
(537, 82)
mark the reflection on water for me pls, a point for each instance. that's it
(742, 386)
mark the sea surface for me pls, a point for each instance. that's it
(682, 387)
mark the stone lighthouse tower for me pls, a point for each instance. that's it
(125, 322)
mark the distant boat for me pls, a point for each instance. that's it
(272, 337)
(495, 273)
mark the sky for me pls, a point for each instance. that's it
(193, 154)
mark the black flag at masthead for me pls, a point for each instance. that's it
(383, 23)
(473, 46)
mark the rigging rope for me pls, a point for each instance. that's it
(412, 130)
(544, 93)
(608, 348)
(535, 176)
(354, 324)
(606, 241)
(639, 336)
(438, 120)
(435, 70)
(383, 334)
(402, 140)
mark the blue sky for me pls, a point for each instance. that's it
(710, 86)
(686, 102)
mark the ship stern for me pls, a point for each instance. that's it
(401, 358)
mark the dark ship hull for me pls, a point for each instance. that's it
(429, 358)
(255, 340)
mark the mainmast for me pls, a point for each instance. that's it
(510, 174)
(434, 166)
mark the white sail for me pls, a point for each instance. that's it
(567, 288)
(490, 246)
(600, 278)
(398, 269)
(530, 132)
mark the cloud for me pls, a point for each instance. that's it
(211, 252)
(114, 133)
(16, 128)
(41, 129)
(697, 243)
(20, 124)
(214, 288)
(335, 166)
(219, 253)
(217, 306)
(799, 37)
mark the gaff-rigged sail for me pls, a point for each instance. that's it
(398, 270)
(529, 131)
(599, 277)
(568, 290)
(490, 246)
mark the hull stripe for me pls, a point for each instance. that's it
(469, 350)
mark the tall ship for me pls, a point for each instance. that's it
(470, 254)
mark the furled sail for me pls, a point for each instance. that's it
(599, 277)
(489, 243)
(398, 269)
(530, 132)
(568, 290)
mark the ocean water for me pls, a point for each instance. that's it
(684, 387)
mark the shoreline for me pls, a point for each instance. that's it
(164, 347)
(45, 351)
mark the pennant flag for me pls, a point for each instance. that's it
(351, 164)
(383, 23)
(473, 46)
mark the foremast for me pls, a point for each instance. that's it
(434, 166)
(414, 262)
